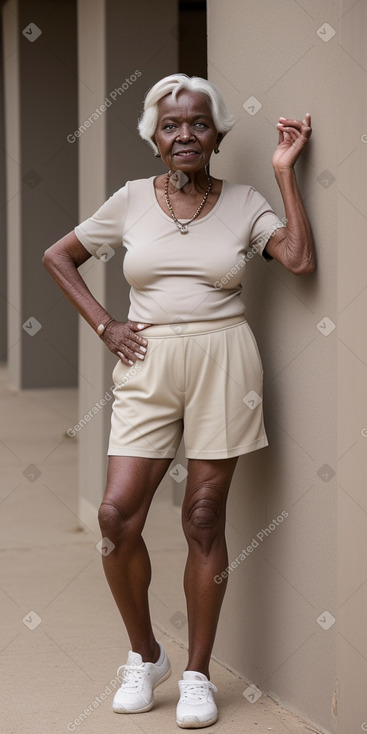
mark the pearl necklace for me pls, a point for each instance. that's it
(184, 227)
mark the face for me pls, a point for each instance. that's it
(185, 134)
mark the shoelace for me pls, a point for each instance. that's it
(132, 675)
(196, 689)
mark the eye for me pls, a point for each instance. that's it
(170, 126)
(200, 124)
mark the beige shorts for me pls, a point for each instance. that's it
(202, 380)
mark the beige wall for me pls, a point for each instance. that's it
(313, 561)
(352, 369)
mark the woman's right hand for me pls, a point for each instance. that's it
(122, 338)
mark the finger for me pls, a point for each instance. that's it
(292, 134)
(135, 342)
(288, 129)
(308, 123)
(124, 359)
(134, 348)
(288, 122)
(135, 326)
(134, 336)
(130, 354)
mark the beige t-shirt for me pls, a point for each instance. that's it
(175, 277)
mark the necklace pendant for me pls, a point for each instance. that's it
(183, 227)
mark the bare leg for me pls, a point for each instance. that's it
(203, 519)
(131, 483)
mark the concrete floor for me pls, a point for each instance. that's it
(61, 637)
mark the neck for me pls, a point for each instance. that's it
(195, 181)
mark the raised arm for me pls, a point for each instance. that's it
(62, 261)
(293, 245)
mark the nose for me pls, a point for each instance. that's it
(185, 133)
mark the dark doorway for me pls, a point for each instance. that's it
(192, 53)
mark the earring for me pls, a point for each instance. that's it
(216, 150)
(157, 155)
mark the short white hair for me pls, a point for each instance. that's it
(173, 84)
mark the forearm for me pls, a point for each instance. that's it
(298, 245)
(64, 271)
(62, 261)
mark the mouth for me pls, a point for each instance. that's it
(186, 153)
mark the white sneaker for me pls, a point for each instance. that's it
(139, 680)
(196, 707)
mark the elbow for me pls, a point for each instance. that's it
(49, 260)
(305, 269)
(50, 255)
(300, 259)
(46, 259)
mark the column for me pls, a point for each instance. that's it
(41, 172)
(122, 53)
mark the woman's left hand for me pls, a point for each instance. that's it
(293, 136)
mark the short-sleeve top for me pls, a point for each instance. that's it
(175, 277)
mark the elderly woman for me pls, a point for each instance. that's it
(187, 363)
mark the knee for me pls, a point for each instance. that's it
(204, 515)
(110, 521)
(203, 519)
(117, 527)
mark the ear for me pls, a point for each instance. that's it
(220, 137)
(157, 154)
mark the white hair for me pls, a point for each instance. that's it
(173, 84)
